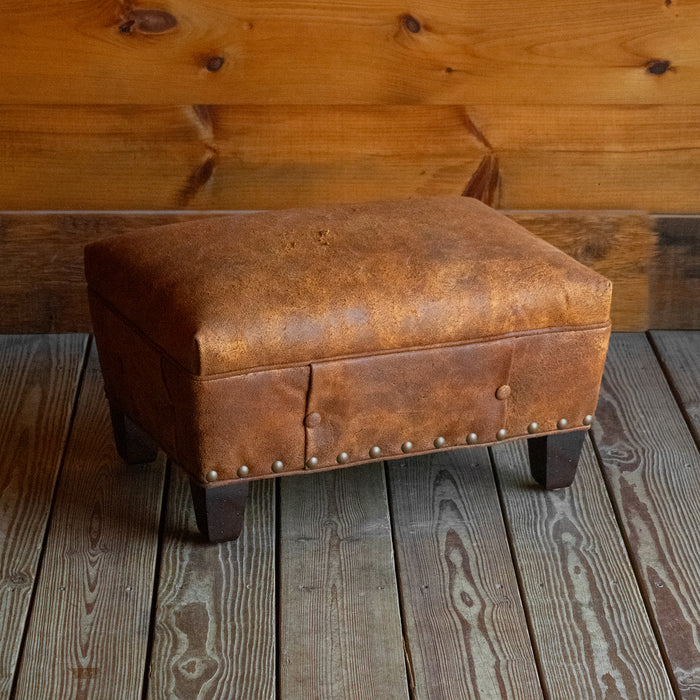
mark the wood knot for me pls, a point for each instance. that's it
(148, 22)
(410, 23)
(656, 67)
(214, 63)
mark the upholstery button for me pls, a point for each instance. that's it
(503, 392)
(313, 420)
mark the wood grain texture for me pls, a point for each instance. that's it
(38, 381)
(679, 355)
(652, 468)
(466, 631)
(43, 281)
(272, 156)
(339, 623)
(588, 621)
(90, 621)
(215, 620)
(368, 52)
(222, 157)
(43, 288)
(594, 156)
(675, 273)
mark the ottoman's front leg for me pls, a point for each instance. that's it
(219, 509)
(134, 446)
(554, 458)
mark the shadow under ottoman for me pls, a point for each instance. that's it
(251, 346)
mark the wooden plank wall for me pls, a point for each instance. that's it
(572, 114)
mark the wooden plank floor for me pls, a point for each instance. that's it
(448, 576)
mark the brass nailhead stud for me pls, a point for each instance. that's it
(562, 423)
(277, 466)
(243, 470)
(212, 475)
(439, 442)
(375, 451)
(342, 458)
(312, 462)
(407, 446)
(472, 439)
(503, 392)
(532, 428)
(501, 434)
(588, 420)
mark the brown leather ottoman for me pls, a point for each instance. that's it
(286, 342)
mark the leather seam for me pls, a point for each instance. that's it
(307, 404)
(603, 325)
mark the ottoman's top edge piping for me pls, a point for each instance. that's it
(603, 325)
(394, 351)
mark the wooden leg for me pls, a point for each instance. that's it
(554, 458)
(219, 509)
(133, 445)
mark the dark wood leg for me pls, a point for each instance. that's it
(554, 458)
(219, 509)
(133, 445)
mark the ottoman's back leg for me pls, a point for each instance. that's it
(554, 458)
(219, 509)
(133, 444)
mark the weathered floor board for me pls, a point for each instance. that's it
(652, 467)
(340, 630)
(466, 631)
(89, 627)
(38, 380)
(591, 592)
(215, 622)
(587, 618)
(679, 354)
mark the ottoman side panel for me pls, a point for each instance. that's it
(466, 394)
(253, 419)
(131, 369)
(414, 397)
(553, 376)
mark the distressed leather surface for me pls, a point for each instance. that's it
(394, 322)
(278, 288)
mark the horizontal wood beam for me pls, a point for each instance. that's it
(42, 288)
(258, 157)
(378, 52)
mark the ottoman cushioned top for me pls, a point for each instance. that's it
(282, 288)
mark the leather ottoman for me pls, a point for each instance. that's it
(275, 343)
